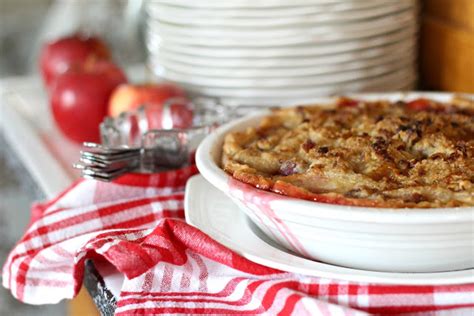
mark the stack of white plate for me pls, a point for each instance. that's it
(283, 51)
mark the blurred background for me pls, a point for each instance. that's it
(24, 27)
(445, 61)
(446, 40)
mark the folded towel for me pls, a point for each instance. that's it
(137, 224)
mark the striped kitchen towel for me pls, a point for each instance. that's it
(136, 223)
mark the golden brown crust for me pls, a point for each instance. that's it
(416, 154)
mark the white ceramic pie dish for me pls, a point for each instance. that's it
(377, 83)
(217, 18)
(279, 72)
(290, 82)
(268, 4)
(212, 212)
(396, 240)
(403, 37)
(219, 37)
(188, 57)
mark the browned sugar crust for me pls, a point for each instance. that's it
(384, 154)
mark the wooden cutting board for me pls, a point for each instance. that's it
(458, 12)
(447, 45)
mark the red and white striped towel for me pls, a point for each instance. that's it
(136, 223)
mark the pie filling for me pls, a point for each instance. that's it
(382, 154)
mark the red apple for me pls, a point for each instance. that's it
(73, 51)
(129, 97)
(79, 99)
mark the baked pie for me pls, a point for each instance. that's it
(379, 153)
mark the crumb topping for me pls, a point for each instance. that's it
(385, 154)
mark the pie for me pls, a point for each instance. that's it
(417, 154)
